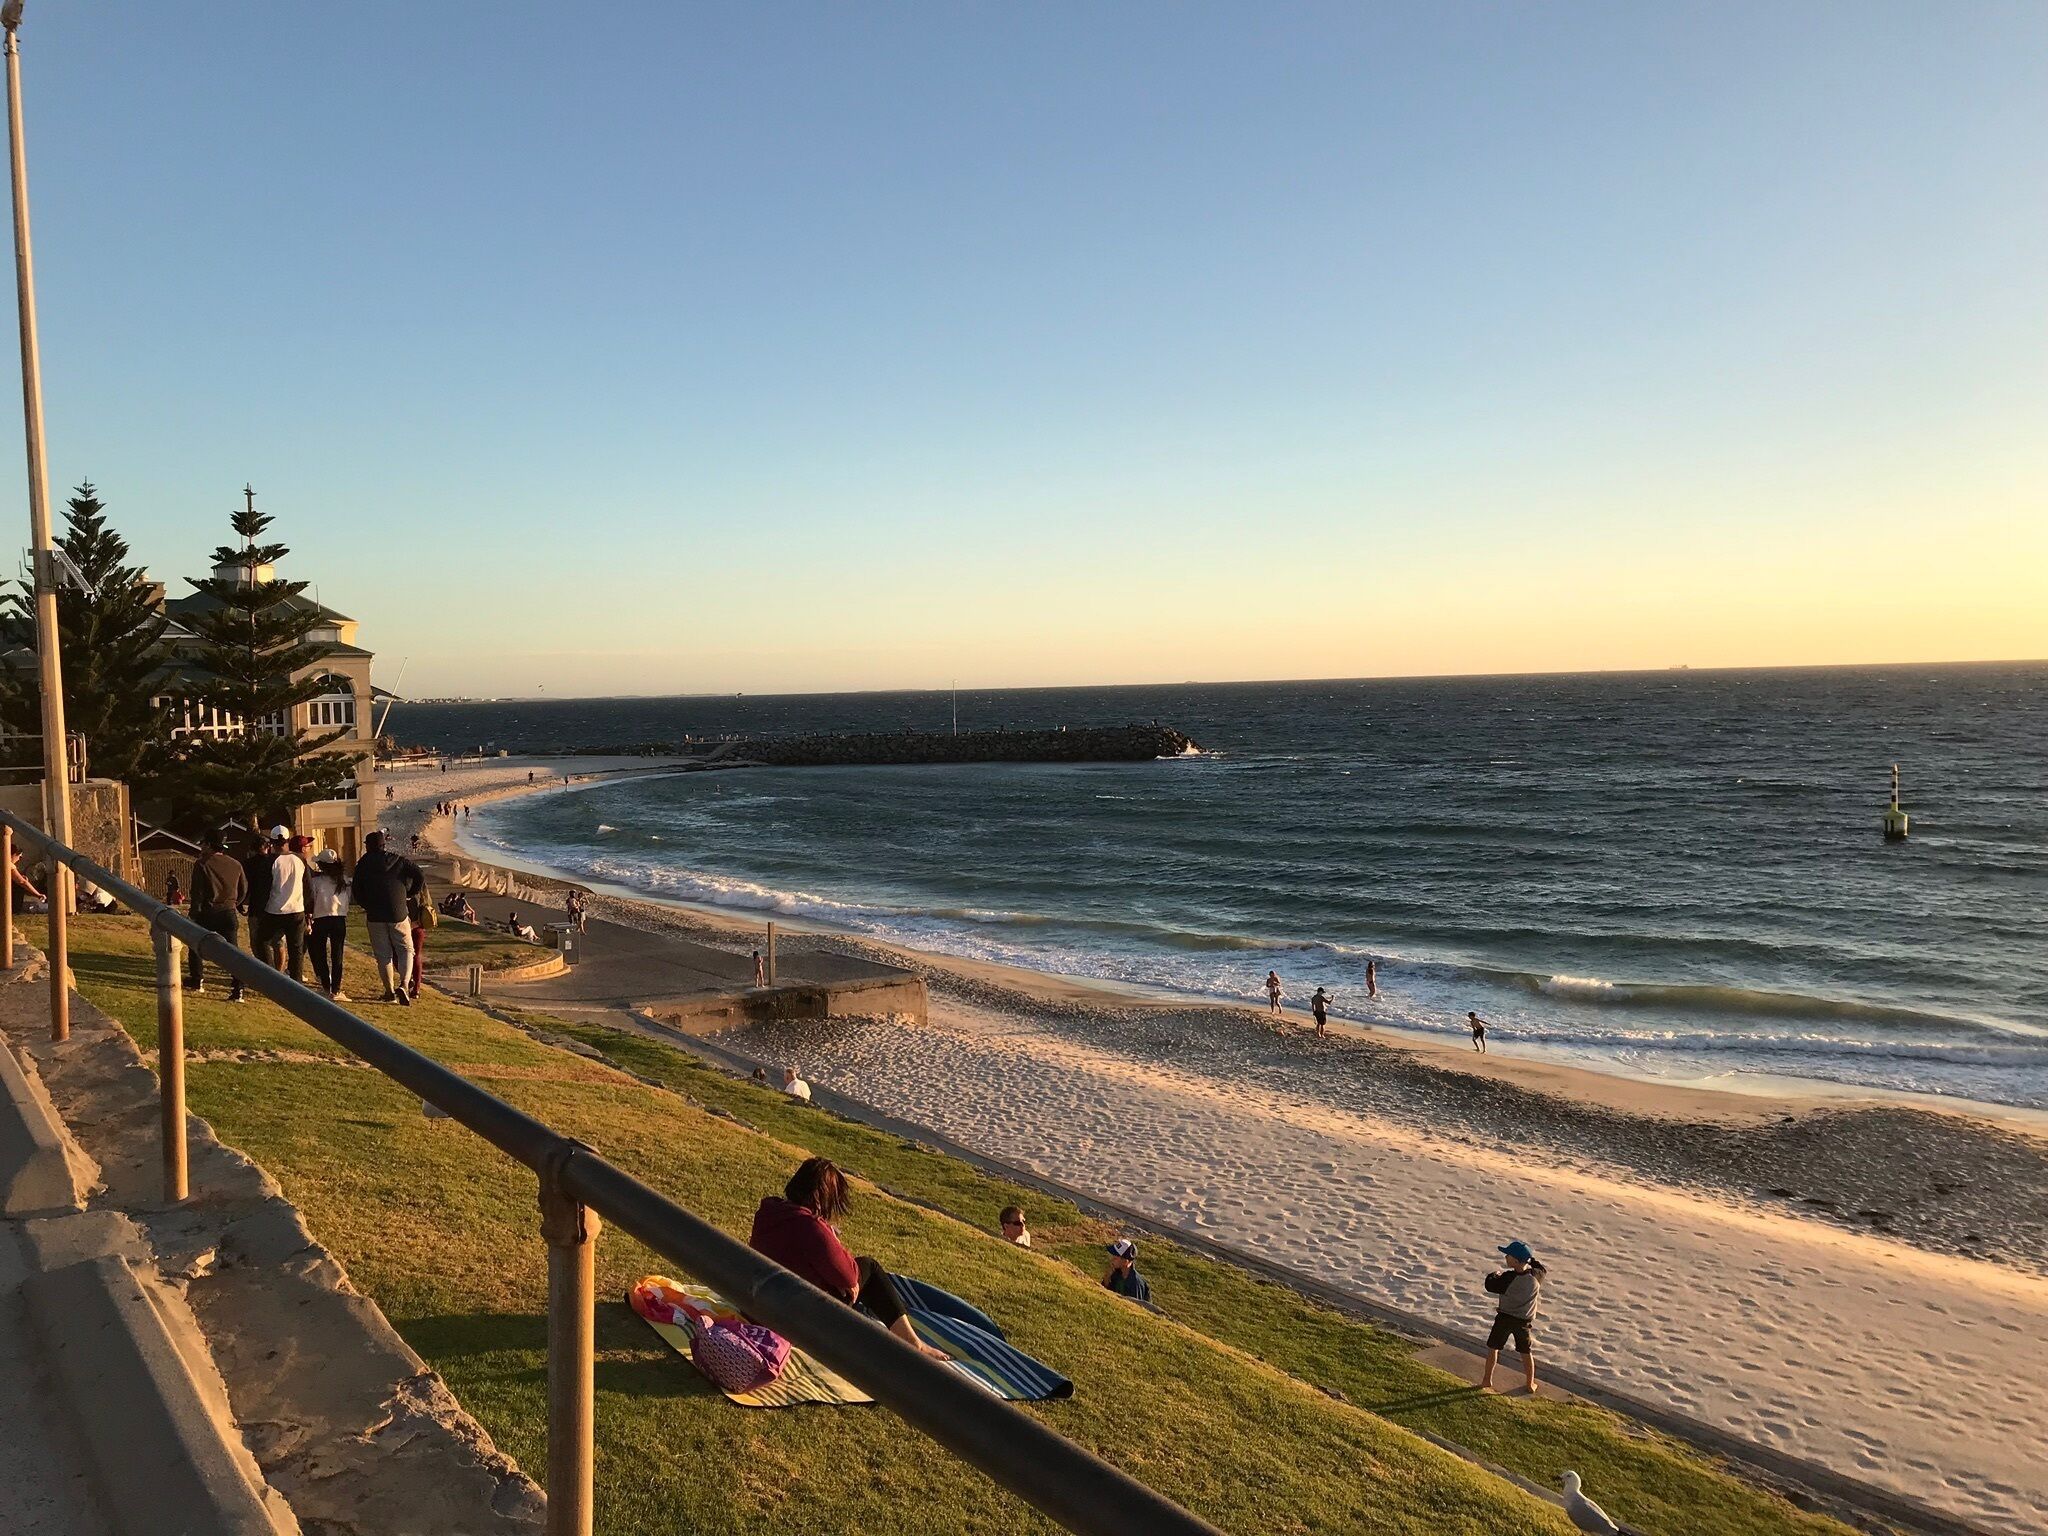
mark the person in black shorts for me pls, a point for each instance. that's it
(1520, 1289)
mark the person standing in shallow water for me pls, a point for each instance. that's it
(1372, 979)
(1478, 1032)
(1273, 990)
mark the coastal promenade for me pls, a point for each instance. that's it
(1877, 1355)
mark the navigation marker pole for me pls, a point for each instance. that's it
(1895, 820)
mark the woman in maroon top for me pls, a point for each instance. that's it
(795, 1230)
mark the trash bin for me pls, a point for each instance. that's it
(568, 943)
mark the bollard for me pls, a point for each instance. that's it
(771, 955)
(170, 1064)
(476, 981)
(7, 900)
(570, 1230)
(60, 952)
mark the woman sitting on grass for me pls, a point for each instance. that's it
(795, 1230)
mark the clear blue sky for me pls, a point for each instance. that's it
(659, 347)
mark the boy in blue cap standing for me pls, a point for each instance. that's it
(1520, 1288)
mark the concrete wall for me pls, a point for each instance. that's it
(898, 993)
(101, 828)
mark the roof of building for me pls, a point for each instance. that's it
(206, 602)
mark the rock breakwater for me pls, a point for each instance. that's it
(1081, 744)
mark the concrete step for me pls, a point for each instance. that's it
(140, 1388)
(37, 1172)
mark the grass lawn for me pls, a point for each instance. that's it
(1652, 1481)
(442, 1232)
(455, 946)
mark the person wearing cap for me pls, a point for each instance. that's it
(1123, 1276)
(327, 899)
(284, 908)
(1519, 1287)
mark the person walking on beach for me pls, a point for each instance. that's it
(220, 888)
(1372, 980)
(1319, 1005)
(327, 899)
(1123, 1276)
(1478, 1032)
(382, 883)
(1273, 990)
(1520, 1289)
(760, 970)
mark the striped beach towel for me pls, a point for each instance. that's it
(676, 1309)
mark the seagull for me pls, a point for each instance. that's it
(1584, 1513)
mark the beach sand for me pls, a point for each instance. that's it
(1858, 1283)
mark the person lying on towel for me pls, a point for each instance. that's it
(795, 1230)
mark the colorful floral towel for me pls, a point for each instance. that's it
(675, 1309)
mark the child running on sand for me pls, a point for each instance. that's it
(1273, 990)
(1478, 1032)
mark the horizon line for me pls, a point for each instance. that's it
(1244, 682)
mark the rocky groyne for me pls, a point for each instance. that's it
(1079, 744)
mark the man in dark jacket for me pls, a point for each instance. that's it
(1123, 1276)
(385, 886)
(1520, 1288)
(220, 888)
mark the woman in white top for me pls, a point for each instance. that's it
(327, 900)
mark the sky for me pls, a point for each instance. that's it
(665, 348)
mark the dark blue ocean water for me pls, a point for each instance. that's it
(1677, 873)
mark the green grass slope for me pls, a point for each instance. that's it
(442, 1232)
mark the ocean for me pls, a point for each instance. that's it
(1675, 874)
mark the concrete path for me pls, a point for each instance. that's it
(625, 967)
(45, 1477)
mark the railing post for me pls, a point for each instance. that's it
(60, 951)
(7, 900)
(170, 1064)
(770, 967)
(570, 1230)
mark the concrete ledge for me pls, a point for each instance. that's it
(167, 1459)
(898, 993)
(35, 1173)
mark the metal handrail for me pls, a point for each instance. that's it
(1072, 1485)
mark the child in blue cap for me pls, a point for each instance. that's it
(1520, 1288)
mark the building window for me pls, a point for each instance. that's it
(335, 708)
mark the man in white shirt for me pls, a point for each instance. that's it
(284, 910)
(795, 1086)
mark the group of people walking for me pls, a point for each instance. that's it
(298, 909)
(1319, 1005)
